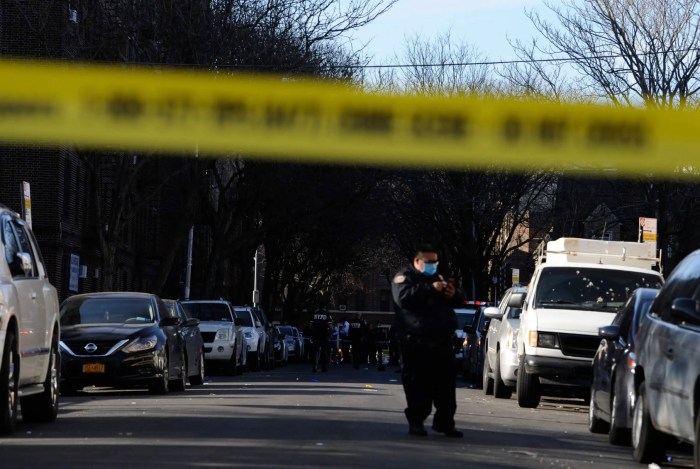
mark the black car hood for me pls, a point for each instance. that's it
(106, 332)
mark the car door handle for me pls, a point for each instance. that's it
(669, 352)
(33, 295)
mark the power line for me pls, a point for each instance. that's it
(301, 67)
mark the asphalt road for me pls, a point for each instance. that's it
(292, 418)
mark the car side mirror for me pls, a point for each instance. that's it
(25, 262)
(170, 321)
(493, 312)
(238, 321)
(516, 300)
(610, 332)
(686, 309)
(191, 322)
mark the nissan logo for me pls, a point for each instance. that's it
(90, 348)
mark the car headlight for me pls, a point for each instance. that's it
(248, 335)
(222, 334)
(141, 344)
(546, 339)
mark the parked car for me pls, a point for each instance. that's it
(465, 317)
(222, 333)
(267, 360)
(501, 356)
(293, 339)
(194, 344)
(254, 334)
(29, 362)
(121, 340)
(667, 375)
(473, 349)
(612, 389)
(279, 347)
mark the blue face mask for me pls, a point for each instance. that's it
(429, 269)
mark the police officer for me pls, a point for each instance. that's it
(425, 323)
(358, 340)
(321, 331)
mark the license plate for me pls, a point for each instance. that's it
(93, 368)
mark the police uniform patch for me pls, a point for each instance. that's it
(400, 279)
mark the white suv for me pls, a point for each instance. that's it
(29, 330)
(578, 286)
(221, 332)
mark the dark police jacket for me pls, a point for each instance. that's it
(422, 313)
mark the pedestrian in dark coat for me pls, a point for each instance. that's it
(425, 325)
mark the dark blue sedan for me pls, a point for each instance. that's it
(612, 388)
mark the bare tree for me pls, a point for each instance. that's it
(629, 51)
(436, 67)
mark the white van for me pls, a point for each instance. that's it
(577, 287)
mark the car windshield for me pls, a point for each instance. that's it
(206, 312)
(107, 311)
(465, 317)
(245, 316)
(589, 289)
(285, 330)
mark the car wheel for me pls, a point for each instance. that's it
(500, 389)
(161, 385)
(233, 367)
(198, 379)
(9, 373)
(647, 442)
(486, 381)
(595, 424)
(528, 387)
(617, 435)
(180, 384)
(44, 407)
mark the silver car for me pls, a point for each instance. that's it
(501, 360)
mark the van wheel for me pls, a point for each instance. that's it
(9, 374)
(595, 425)
(528, 387)
(44, 407)
(648, 444)
(500, 390)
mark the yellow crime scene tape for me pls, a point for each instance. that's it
(220, 114)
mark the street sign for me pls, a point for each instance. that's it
(647, 231)
(27, 204)
(516, 276)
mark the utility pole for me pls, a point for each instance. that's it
(256, 293)
(190, 242)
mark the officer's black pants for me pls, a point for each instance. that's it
(359, 353)
(321, 352)
(429, 379)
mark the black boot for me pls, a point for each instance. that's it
(417, 429)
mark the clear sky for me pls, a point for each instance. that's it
(485, 24)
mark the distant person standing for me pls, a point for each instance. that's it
(321, 333)
(344, 333)
(425, 323)
(358, 340)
